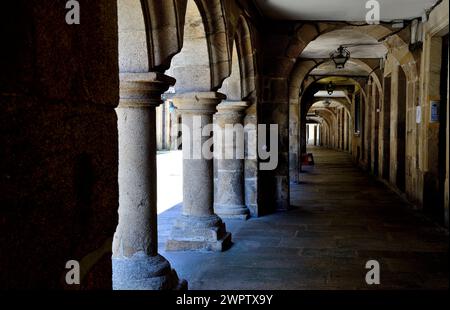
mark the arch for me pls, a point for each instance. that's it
(340, 101)
(164, 22)
(316, 119)
(308, 99)
(134, 54)
(304, 67)
(397, 48)
(286, 58)
(232, 86)
(216, 29)
(244, 65)
(328, 115)
(308, 32)
(162, 31)
(191, 67)
(244, 40)
(400, 51)
(330, 118)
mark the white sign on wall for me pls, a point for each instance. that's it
(418, 114)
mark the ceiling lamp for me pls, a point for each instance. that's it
(340, 57)
(330, 88)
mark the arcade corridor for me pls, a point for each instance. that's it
(230, 96)
(341, 218)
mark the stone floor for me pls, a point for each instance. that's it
(341, 218)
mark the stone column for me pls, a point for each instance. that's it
(251, 160)
(319, 136)
(198, 228)
(340, 127)
(346, 133)
(316, 134)
(136, 263)
(230, 200)
(294, 141)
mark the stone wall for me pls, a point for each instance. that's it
(404, 146)
(428, 132)
(58, 136)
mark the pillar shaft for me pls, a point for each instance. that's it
(230, 199)
(197, 172)
(198, 228)
(136, 263)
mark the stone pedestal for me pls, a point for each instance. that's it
(230, 200)
(136, 263)
(198, 228)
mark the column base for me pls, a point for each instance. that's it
(143, 272)
(191, 233)
(232, 212)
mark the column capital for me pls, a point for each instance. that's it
(143, 90)
(230, 112)
(198, 102)
(232, 107)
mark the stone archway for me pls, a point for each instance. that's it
(303, 67)
(300, 106)
(155, 37)
(299, 82)
(143, 55)
(249, 79)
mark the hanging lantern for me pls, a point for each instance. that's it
(340, 57)
(330, 88)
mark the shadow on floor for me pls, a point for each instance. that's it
(342, 219)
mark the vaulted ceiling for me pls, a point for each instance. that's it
(341, 10)
(365, 51)
(359, 44)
